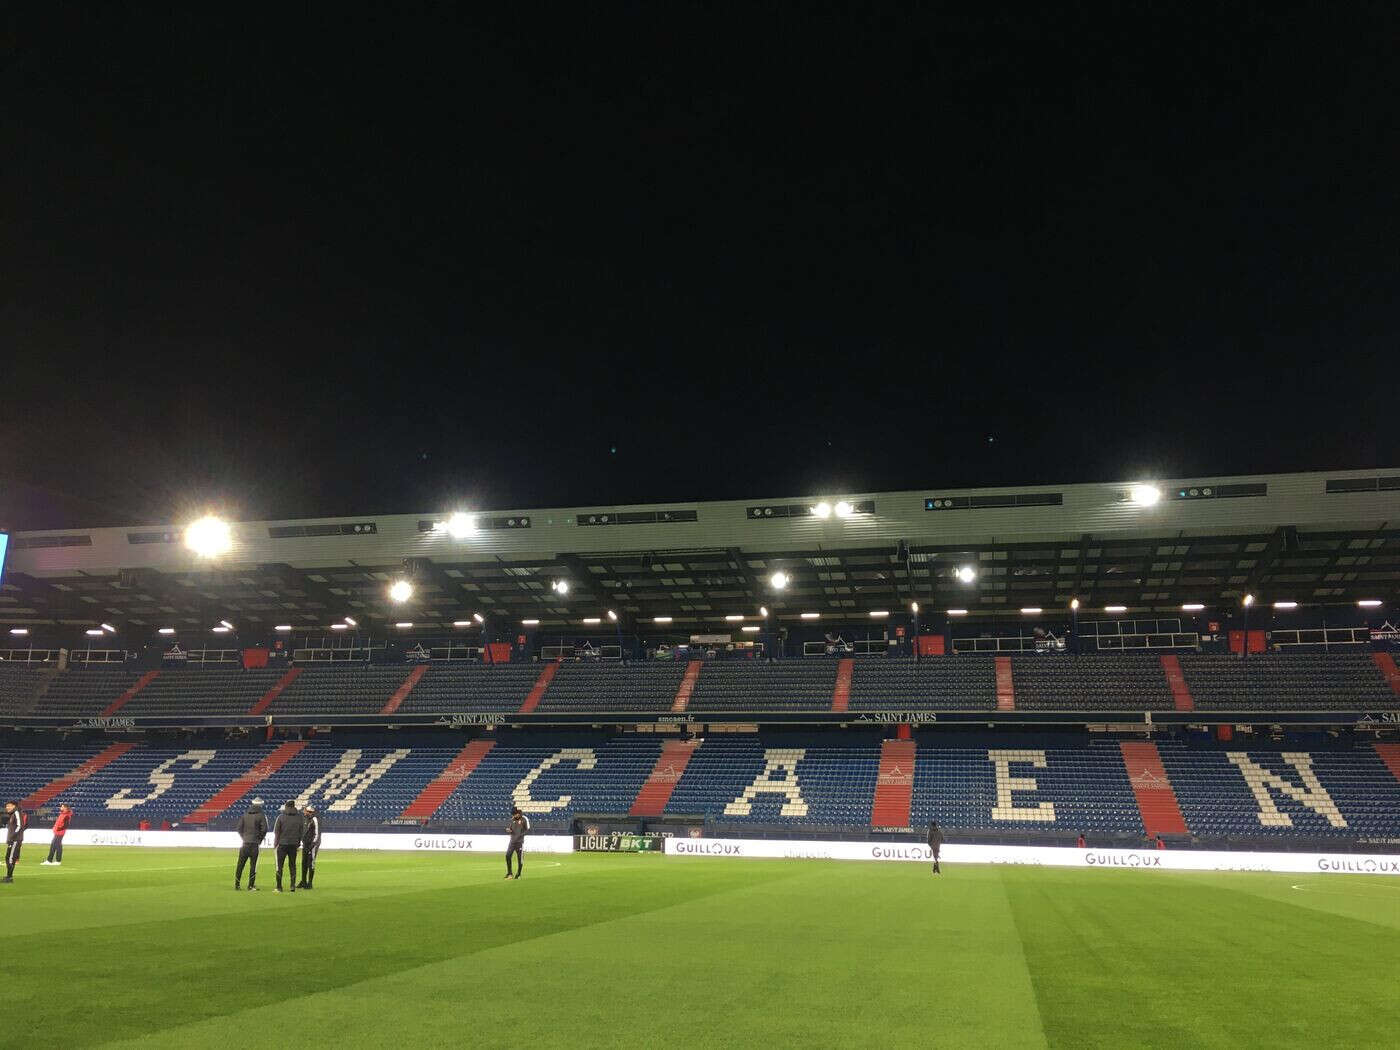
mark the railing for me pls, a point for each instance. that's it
(97, 656)
(1016, 643)
(30, 656)
(858, 647)
(602, 653)
(455, 652)
(1327, 637)
(1171, 625)
(334, 654)
(1119, 642)
(206, 656)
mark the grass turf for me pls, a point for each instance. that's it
(153, 948)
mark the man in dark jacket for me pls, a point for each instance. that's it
(519, 825)
(252, 829)
(14, 838)
(310, 846)
(935, 842)
(287, 834)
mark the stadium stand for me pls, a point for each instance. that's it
(472, 687)
(613, 687)
(348, 690)
(781, 782)
(792, 685)
(1130, 682)
(83, 693)
(940, 682)
(201, 692)
(1292, 682)
(21, 687)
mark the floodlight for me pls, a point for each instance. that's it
(612, 616)
(844, 509)
(460, 526)
(661, 619)
(734, 617)
(1144, 495)
(352, 621)
(531, 623)
(1115, 608)
(1192, 607)
(401, 590)
(561, 586)
(478, 618)
(404, 623)
(19, 631)
(209, 537)
(221, 629)
(1074, 603)
(1370, 603)
(957, 612)
(166, 630)
(966, 574)
(822, 510)
(877, 613)
(1248, 600)
(225, 623)
(778, 580)
(751, 628)
(340, 627)
(811, 616)
(913, 606)
(109, 628)
(763, 611)
(592, 619)
(1031, 610)
(283, 627)
(1285, 605)
(93, 632)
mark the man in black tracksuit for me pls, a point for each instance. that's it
(310, 846)
(935, 840)
(519, 825)
(252, 829)
(14, 838)
(287, 834)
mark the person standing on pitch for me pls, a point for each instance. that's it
(310, 846)
(517, 828)
(935, 842)
(65, 814)
(14, 838)
(287, 834)
(252, 829)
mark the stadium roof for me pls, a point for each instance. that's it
(1318, 539)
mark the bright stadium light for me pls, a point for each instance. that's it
(560, 586)
(459, 526)
(221, 629)
(965, 574)
(612, 616)
(283, 627)
(1074, 603)
(19, 632)
(401, 590)
(1285, 605)
(209, 537)
(592, 619)
(750, 629)
(165, 630)
(531, 623)
(957, 612)
(778, 580)
(352, 621)
(914, 607)
(478, 618)
(93, 632)
(763, 611)
(822, 510)
(1370, 603)
(879, 613)
(661, 619)
(340, 627)
(225, 623)
(1192, 607)
(403, 623)
(1031, 610)
(1115, 608)
(109, 628)
(1248, 600)
(844, 509)
(1144, 495)
(811, 616)
(734, 617)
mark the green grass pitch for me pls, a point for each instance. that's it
(153, 948)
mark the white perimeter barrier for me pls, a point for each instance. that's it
(1049, 856)
(780, 849)
(331, 840)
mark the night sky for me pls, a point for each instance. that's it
(368, 263)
